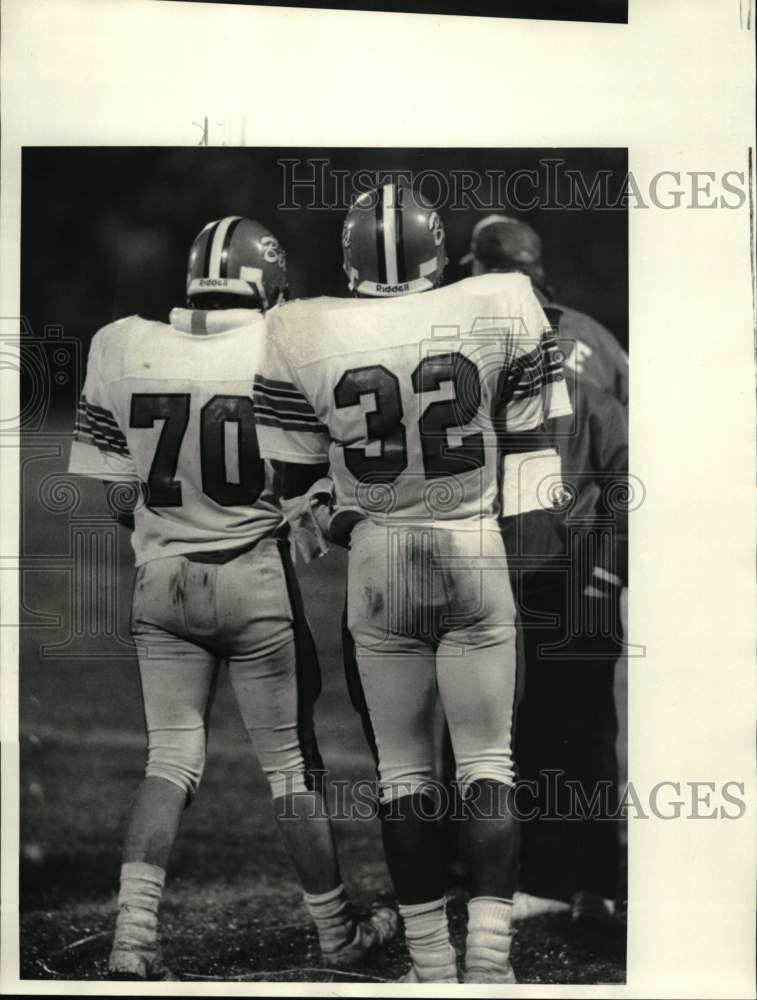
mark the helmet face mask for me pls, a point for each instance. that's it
(393, 244)
(238, 258)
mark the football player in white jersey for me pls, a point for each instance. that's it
(168, 407)
(422, 399)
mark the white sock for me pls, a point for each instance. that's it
(427, 934)
(138, 902)
(488, 942)
(333, 916)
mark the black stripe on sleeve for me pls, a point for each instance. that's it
(261, 382)
(284, 409)
(98, 413)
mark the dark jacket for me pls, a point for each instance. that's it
(590, 526)
(590, 350)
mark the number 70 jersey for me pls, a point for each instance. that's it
(170, 407)
(411, 399)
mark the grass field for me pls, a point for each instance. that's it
(232, 907)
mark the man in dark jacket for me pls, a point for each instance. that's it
(568, 564)
(501, 243)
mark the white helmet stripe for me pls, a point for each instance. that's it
(214, 271)
(390, 234)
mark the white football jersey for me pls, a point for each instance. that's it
(409, 398)
(171, 406)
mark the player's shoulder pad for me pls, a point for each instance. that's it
(301, 309)
(111, 340)
(298, 321)
(125, 327)
(106, 335)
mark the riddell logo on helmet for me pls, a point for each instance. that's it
(392, 288)
(213, 282)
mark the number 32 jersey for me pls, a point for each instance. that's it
(410, 398)
(171, 406)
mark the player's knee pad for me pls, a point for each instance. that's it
(496, 765)
(178, 756)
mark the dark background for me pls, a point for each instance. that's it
(614, 11)
(106, 231)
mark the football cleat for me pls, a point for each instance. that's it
(526, 906)
(237, 256)
(142, 965)
(370, 934)
(393, 244)
(590, 909)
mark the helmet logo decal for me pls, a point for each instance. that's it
(435, 226)
(272, 252)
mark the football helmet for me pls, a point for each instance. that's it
(236, 256)
(393, 243)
